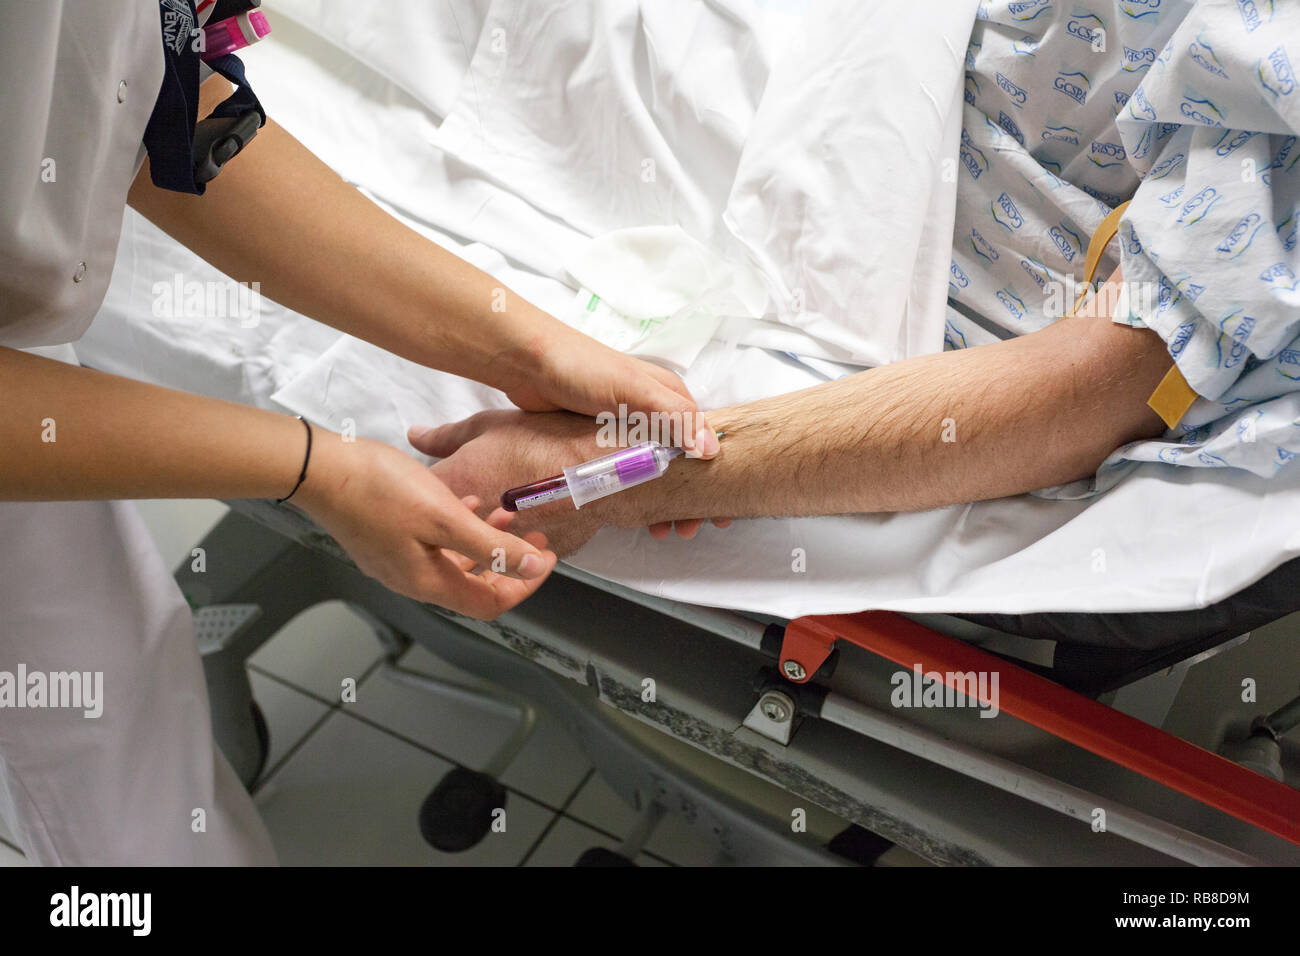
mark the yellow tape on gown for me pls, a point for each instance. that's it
(1173, 396)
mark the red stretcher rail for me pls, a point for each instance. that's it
(1157, 755)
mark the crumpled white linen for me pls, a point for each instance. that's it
(1164, 539)
(656, 293)
(619, 115)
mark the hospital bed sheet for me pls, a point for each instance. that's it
(1130, 549)
(1164, 539)
(608, 116)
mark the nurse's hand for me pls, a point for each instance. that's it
(569, 370)
(405, 528)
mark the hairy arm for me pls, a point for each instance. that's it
(1030, 412)
(1034, 411)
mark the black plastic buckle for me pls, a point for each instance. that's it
(218, 139)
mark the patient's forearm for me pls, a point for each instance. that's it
(986, 422)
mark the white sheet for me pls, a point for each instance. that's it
(1163, 539)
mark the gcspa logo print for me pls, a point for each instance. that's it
(1073, 85)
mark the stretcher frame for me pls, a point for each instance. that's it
(793, 703)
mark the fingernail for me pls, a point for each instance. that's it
(531, 566)
(416, 432)
(706, 442)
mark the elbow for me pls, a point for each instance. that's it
(1124, 366)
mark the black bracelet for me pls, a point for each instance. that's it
(305, 460)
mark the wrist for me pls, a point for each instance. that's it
(524, 345)
(327, 471)
(689, 486)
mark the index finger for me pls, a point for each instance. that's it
(450, 584)
(489, 546)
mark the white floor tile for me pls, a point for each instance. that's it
(178, 524)
(289, 714)
(352, 793)
(598, 805)
(549, 767)
(319, 648)
(569, 839)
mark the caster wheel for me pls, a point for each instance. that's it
(457, 814)
(599, 856)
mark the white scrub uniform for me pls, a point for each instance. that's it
(82, 587)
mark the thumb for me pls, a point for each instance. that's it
(444, 440)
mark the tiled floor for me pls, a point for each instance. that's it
(344, 781)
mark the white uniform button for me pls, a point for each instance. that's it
(121, 92)
(80, 273)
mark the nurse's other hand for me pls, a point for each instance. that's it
(405, 528)
(686, 528)
(581, 375)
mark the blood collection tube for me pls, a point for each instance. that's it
(596, 478)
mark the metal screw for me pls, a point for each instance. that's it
(794, 670)
(121, 92)
(775, 707)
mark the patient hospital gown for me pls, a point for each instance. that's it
(1190, 109)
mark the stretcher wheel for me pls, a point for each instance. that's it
(599, 856)
(457, 814)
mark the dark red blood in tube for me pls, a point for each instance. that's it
(510, 499)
